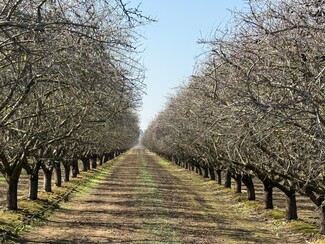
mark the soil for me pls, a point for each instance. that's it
(147, 200)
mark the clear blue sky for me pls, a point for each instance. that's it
(170, 45)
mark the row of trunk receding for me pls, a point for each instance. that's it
(247, 180)
(71, 169)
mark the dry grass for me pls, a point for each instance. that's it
(38, 211)
(275, 214)
(148, 200)
(246, 208)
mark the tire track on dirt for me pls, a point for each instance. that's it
(143, 200)
(199, 216)
(123, 207)
(102, 216)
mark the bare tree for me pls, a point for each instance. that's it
(66, 67)
(255, 106)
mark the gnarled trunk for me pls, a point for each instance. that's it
(47, 179)
(58, 174)
(101, 160)
(12, 189)
(228, 180)
(219, 179)
(85, 164)
(291, 205)
(106, 157)
(75, 168)
(206, 171)
(33, 186)
(33, 180)
(268, 194)
(199, 170)
(212, 173)
(186, 165)
(247, 180)
(66, 171)
(111, 156)
(94, 162)
(238, 183)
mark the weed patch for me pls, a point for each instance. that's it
(275, 214)
(303, 227)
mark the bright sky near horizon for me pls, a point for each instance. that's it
(170, 44)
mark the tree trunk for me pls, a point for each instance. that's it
(47, 179)
(212, 173)
(186, 165)
(219, 180)
(322, 220)
(12, 189)
(247, 180)
(88, 163)
(33, 180)
(110, 156)
(228, 180)
(206, 171)
(101, 160)
(85, 164)
(291, 205)
(75, 168)
(66, 171)
(268, 194)
(94, 162)
(199, 170)
(106, 157)
(33, 186)
(58, 174)
(238, 183)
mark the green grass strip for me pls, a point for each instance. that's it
(149, 194)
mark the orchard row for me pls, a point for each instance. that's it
(70, 83)
(255, 106)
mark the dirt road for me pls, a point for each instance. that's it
(147, 200)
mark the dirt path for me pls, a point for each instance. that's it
(144, 200)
